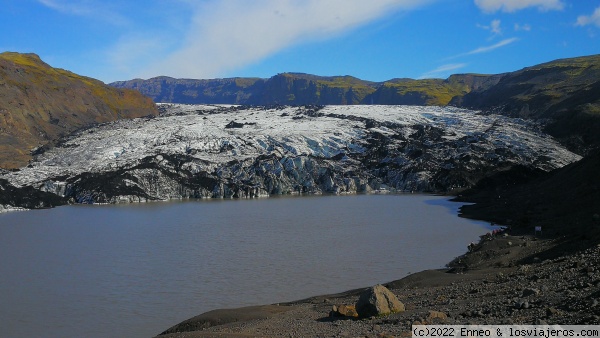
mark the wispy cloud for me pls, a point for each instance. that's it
(524, 27)
(492, 47)
(494, 27)
(68, 7)
(491, 6)
(226, 35)
(125, 56)
(593, 19)
(485, 49)
(443, 71)
(86, 8)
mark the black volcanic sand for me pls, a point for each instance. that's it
(517, 278)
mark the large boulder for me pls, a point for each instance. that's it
(378, 301)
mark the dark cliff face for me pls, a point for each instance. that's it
(216, 91)
(39, 104)
(302, 89)
(288, 88)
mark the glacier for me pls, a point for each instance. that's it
(225, 151)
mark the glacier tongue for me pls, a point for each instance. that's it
(239, 151)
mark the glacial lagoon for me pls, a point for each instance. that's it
(135, 270)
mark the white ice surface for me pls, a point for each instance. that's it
(199, 130)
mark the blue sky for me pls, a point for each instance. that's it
(374, 40)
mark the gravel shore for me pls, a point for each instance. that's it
(508, 279)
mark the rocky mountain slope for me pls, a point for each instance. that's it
(218, 151)
(39, 104)
(564, 93)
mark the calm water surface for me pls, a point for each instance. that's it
(135, 270)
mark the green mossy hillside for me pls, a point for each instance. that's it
(39, 104)
(565, 94)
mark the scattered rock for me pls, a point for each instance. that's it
(530, 292)
(378, 301)
(234, 124)
(551, 311)
(436, 315)
(343, 311)
(521, 305)
(524, 268)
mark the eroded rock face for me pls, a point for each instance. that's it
(378, 301)
(188, 152)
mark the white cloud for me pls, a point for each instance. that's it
(443, 70)
(226, 35)
(491, 6)
(524, 27)
(494, 27)
(594, 19)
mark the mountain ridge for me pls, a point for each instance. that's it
(294, 88)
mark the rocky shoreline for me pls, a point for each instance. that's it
(515, 278)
